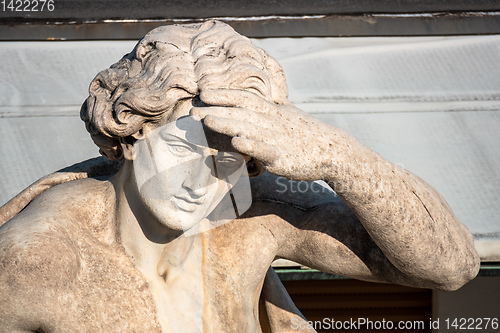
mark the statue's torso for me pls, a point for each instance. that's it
(109, 294)
(91, 285)
(74, 274)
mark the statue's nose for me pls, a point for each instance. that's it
(199, 176)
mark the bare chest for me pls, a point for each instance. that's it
(214, 289)
(207, 290)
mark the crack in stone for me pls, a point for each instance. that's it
(428, 213)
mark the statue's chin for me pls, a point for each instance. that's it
(183, 212)
(175, 214)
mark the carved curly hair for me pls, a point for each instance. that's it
(170, 64)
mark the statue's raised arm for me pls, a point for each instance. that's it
(179, 234)
(415, 237)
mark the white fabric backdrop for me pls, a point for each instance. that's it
(429, 104)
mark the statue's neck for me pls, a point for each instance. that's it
(170, 262)
(144, 238)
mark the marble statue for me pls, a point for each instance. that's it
(177, 231)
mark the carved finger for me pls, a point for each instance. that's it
(263, 120)
(264, 152)
(234, 127)
(220, 111)
(237, 98)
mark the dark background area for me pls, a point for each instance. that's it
(115, 19)
(81, 11)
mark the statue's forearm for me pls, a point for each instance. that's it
(406, 217)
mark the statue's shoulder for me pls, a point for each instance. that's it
(297, 205)
(41, 242)
(80, 199)
(301, 195)
(59, 255)
(74, 204)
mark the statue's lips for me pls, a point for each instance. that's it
(187, 204)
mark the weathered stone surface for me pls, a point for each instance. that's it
(151, 247)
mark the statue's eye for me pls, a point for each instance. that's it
(227, 160)
(176, 145)
(180, 149)
(228, 163)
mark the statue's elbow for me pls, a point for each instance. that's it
(461, 273)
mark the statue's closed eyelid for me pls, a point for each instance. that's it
(172, 140)
(226, 159)
(180, 148)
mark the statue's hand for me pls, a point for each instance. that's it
(286, 140)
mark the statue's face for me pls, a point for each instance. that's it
(182, 175)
